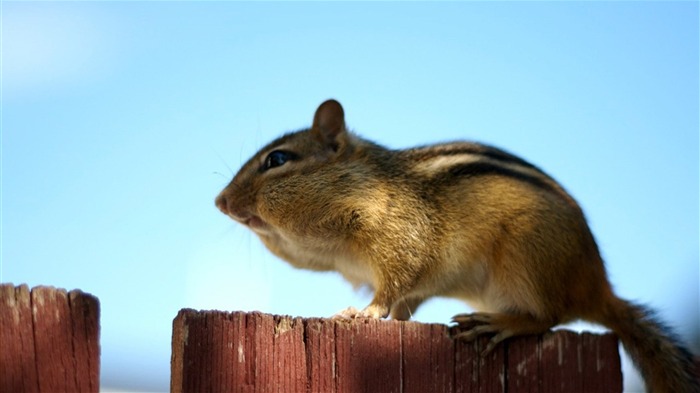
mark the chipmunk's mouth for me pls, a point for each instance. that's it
(241, 215)
(254, 222)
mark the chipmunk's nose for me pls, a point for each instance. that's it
(222, 203)
(227, 205)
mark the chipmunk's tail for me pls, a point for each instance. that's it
(664, 363)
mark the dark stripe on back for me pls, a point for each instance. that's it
(482, 168)
(504, 156)
(458, 148)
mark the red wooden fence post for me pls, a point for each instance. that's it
(49, 340)
(252, 352)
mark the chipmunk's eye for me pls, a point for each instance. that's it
(277, 158)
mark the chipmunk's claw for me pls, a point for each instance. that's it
(478, 324)
(471, 320)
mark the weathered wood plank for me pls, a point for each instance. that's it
(17, 357)
(598, 355)
(523, 365)
(428, 358)
(289, 355)
(368, 356)
(85, 310)
(321, 355)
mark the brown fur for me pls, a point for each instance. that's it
(460, 220)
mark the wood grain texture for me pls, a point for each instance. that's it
(253, 352)
(49, 339)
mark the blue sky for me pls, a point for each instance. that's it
(122, 121)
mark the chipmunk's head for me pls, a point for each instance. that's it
(278, 181)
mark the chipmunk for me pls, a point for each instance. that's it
(460, 220)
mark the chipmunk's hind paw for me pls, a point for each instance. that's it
(471, 326)
(502, 326)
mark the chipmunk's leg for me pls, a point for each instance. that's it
(503, 325)
(394, 282)
(395, 275)
(403, 309)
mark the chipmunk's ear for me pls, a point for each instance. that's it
(329, 123)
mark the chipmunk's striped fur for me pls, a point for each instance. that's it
(461, 220)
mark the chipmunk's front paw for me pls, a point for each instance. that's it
(372, 311)
(348, 313)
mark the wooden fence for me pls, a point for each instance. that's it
(49, 340)
(252, 352)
